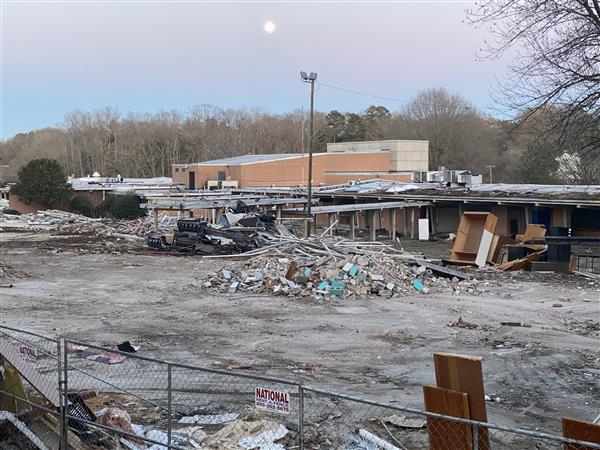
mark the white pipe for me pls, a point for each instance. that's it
(370, 437)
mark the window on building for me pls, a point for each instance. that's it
(176, 169)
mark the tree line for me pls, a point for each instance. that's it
(460, 137)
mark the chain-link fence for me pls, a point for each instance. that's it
(31, 383)
(117, 399)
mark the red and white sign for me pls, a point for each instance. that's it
(28, 354)
(273, 401)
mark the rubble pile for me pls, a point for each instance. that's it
(145, 225)
(354, 275)
(61, 221)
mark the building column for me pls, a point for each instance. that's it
(353, 218)
(412, 222)
(371, 218)
(155, 212)
(393, 224)
(331, 218)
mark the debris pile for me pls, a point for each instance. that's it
(328, 267)
(62, 221)
(145, 225)
(236, 233)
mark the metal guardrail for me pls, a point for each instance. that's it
(159, 394)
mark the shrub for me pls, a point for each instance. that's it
(81, 205)
(121, 207)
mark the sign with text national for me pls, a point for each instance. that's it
(271, 400)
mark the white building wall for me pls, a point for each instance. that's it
(406, 155)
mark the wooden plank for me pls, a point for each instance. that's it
(445, 434)
(583, 431)
(45, 385)
(521, 264)
(463, 373)
(484, 248)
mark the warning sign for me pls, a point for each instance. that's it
(28, 354)
(270, 400)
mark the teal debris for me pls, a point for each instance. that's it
(353, 270)
(337, 288)
(418, 285)
(323, 285)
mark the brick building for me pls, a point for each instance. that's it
(343, 162)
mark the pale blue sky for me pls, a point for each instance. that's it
(146, 57)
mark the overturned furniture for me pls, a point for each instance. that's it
(474, 238)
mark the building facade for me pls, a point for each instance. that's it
(350, 161)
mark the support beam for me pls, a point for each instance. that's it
(331, 218)
(393, 224)
(412, 222)
(434, 220)
(155, 212)
(353, 220)
(371, 219)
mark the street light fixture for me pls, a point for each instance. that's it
(310, 79)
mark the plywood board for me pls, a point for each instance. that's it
(520, 264)
(423, 229)
(444, 434)
(583, 431)
(484, 248)
(463, 373)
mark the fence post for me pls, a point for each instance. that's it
(65, 397)
(169, 405)
(301, 416)
(61, 397)
(475, 437)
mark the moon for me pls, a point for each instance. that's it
(269, 27)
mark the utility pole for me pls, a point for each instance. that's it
(310, 79)
(491, 178)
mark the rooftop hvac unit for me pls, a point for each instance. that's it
(464, 178)
(417, 177)
(228, 184)
(212, 184)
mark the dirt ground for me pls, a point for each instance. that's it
(94, 291)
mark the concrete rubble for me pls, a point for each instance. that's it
(53, 220)
(327, 276)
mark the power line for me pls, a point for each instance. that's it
(351, 91)
(363, 93)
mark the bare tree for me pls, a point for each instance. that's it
(557, 62)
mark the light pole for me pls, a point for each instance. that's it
(310, 79)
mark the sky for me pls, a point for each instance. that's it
(152, 56)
